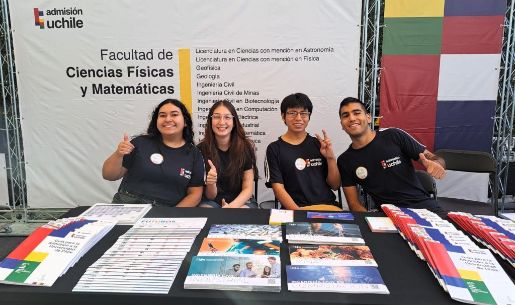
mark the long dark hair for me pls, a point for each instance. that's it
(240, 146)
(187, 132)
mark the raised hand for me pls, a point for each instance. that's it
(211, 174)
(326, 147)
(125, 147)
(432, 167)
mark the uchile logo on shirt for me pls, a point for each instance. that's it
(185, 173)
(391, 162)
(301, 164)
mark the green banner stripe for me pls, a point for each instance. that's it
(415, 36)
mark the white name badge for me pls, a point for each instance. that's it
(156, 158)
(361, 172)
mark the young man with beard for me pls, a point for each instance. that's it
(380, 161)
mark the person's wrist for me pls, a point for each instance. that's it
(331, 157)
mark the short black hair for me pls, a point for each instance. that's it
(296, 100)
(351, 100)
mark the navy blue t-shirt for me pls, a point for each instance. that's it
(301, 169)
(224, 188)
(160, 172)
(384, 168)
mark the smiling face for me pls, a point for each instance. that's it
(222, 122)
(170, 121)
(355, 120)
(296, 119)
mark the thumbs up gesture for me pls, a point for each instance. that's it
(125, 147)
(432, 167)
(211, 174)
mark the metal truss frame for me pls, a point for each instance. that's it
(504, 115)
(369, 79)
(371, 32)
(14, 156)
(17, 209)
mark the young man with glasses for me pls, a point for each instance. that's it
(300, 168)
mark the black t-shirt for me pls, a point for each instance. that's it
(301, 169)
(224, 189)
(159, 172)
(384, 168)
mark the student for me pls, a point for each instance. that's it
(234, 271)
(230, 158)
(381, 163)
(301, 169)
(275, 268)
(162, 167)
(266, 272)
(248, 272)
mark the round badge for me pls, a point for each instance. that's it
(361, 172)
(300, 164)
(156, 158)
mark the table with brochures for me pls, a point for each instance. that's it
(408, 278)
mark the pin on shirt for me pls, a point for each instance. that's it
(156, 158)
(361, 172)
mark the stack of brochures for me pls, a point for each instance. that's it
(278, 217)
(146, 259)
(469, 274)
(238, 257)
(496, 233)
(330, 215)
(49, 251)
(331, 257)
(322, 232)
(123, 214)
(381, 225)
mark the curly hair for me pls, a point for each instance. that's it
(187, 132)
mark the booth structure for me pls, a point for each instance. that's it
(74, 79)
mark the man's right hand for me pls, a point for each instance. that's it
(125, 147)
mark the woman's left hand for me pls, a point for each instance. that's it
(226, 205)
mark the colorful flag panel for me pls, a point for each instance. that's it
(472, 35)
(412, 36)
(468, 77)
(440, 70)
(465, 125)
(410, 8)
(475, 7)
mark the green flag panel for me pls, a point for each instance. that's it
(414, 36)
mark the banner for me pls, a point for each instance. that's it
(440, 70)
(90, 71)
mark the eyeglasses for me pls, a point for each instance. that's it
(294, 114)
(219, 117)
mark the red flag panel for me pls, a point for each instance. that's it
(472, 35)
(408, 94)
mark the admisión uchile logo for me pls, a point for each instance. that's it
(65, 18)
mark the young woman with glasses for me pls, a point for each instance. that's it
(230, 160)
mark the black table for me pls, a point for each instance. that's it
(407, 277)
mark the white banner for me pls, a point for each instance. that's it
(89, 71)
